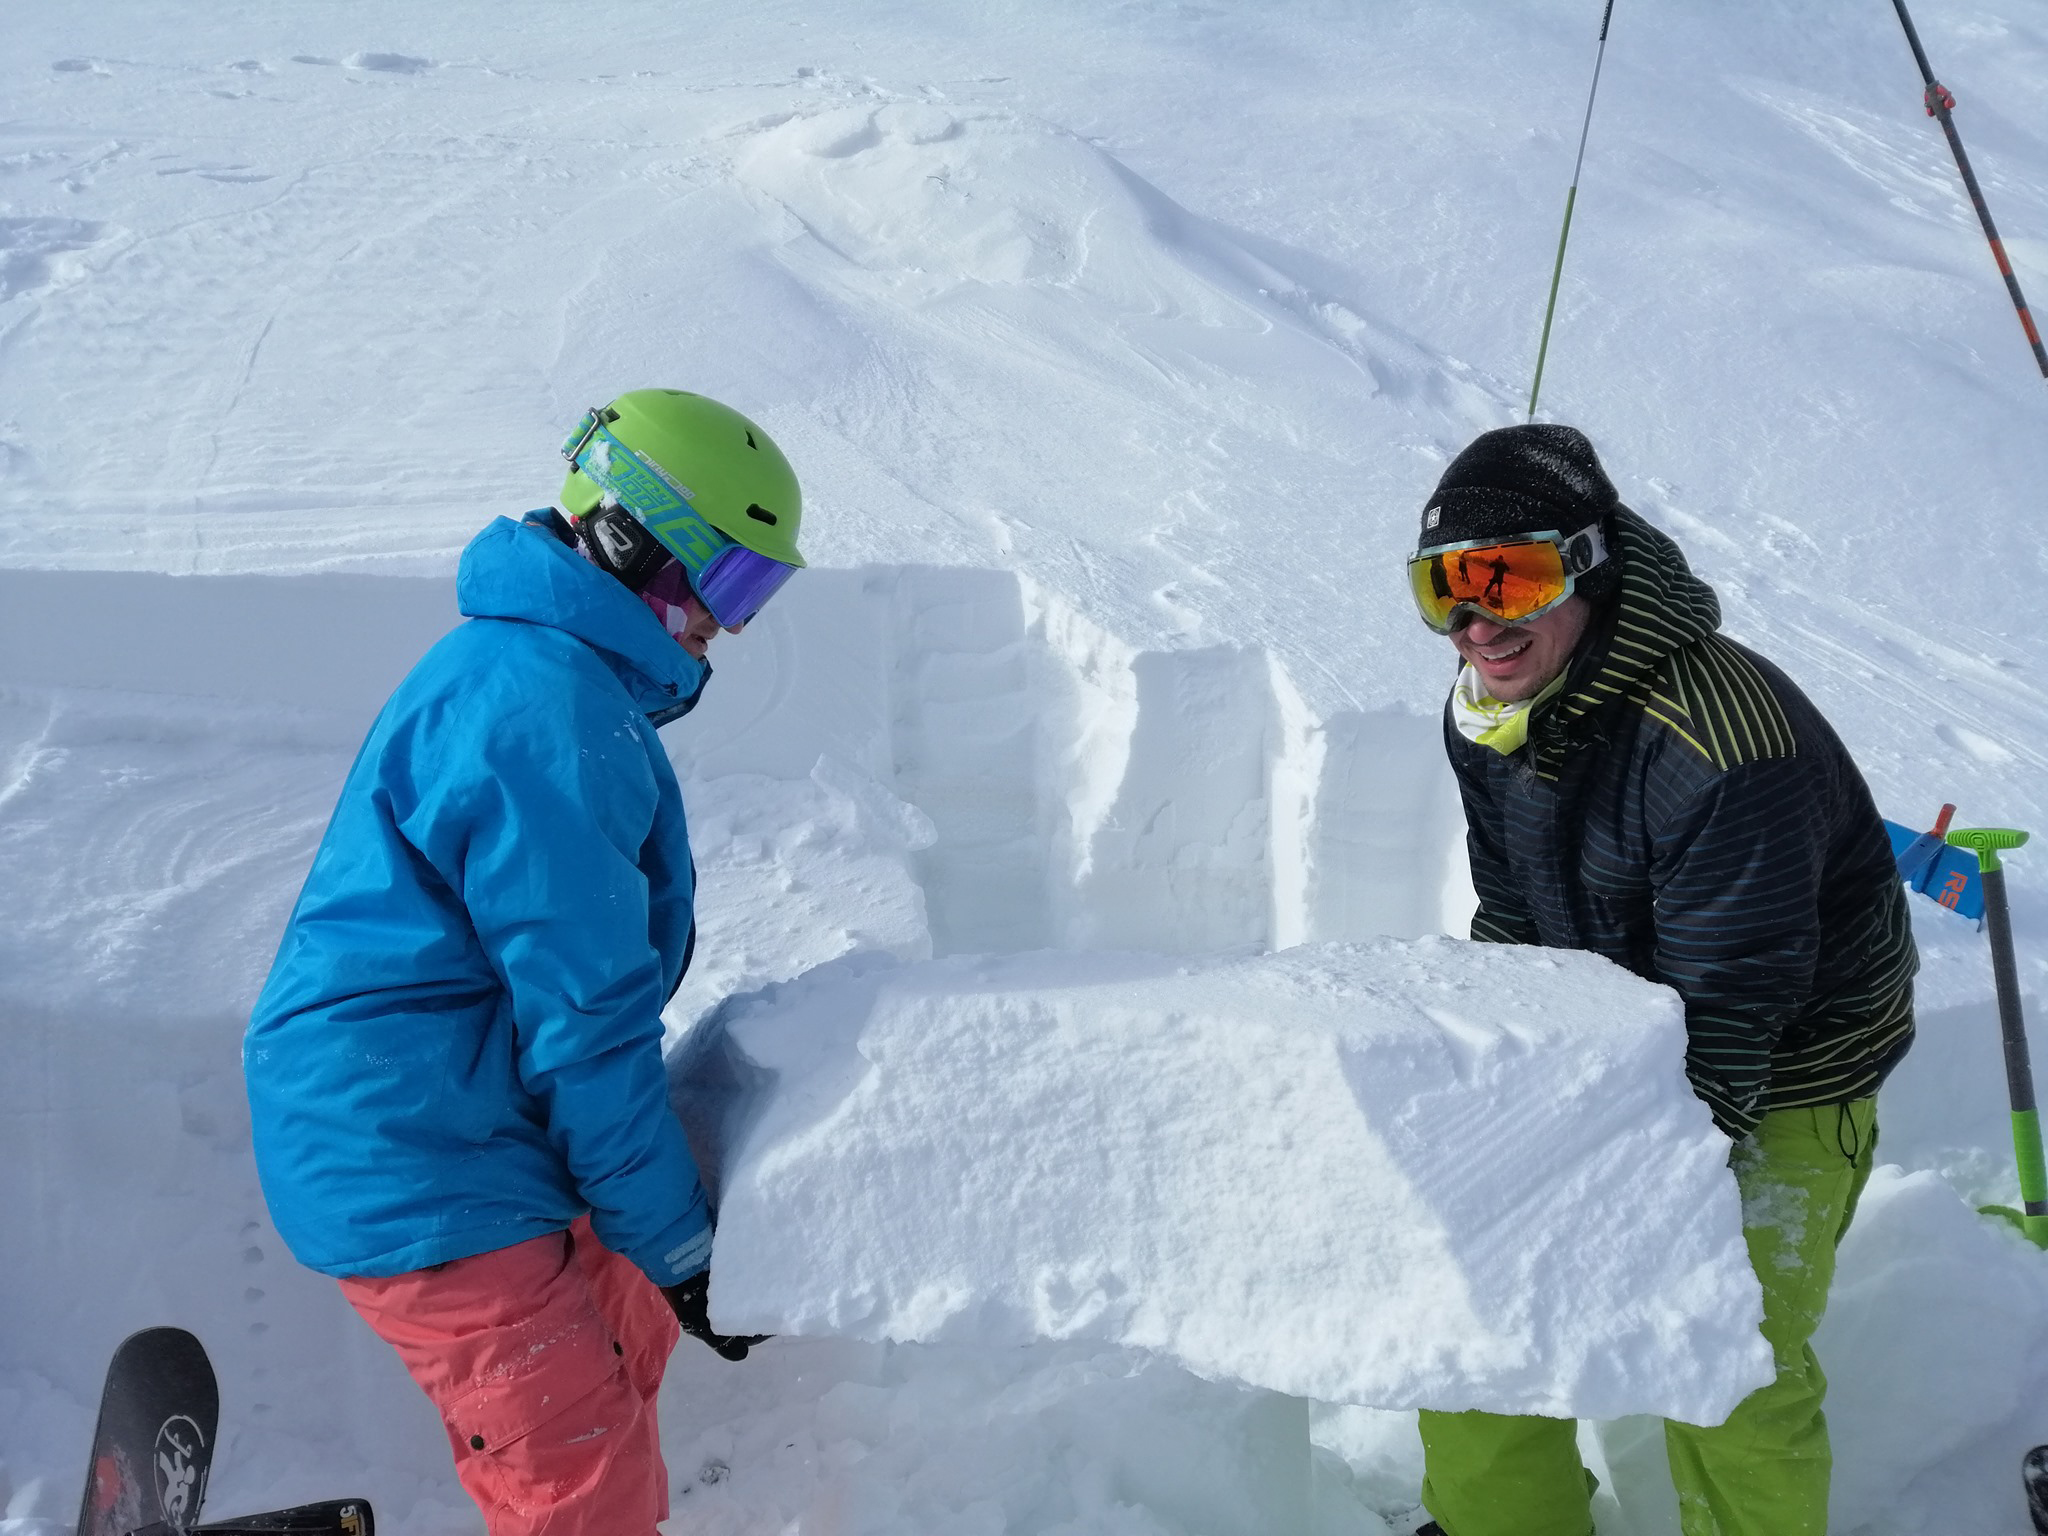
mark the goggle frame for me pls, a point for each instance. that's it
(1578, 553)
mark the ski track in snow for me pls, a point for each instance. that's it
(1117, 349)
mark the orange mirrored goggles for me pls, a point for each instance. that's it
(1509, 582)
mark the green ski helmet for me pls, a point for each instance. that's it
(710, 486)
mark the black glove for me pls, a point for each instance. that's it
(691, 1303)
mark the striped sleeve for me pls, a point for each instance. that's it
(1736, 874)
(1502, 916)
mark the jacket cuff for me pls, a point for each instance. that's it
(680, 1252)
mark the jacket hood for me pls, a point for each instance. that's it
(524, 570)
(1661, 607)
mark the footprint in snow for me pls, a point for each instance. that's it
(81, 67)
(841, 135)
(389, 63)
(227, 173)
(33, 252)
(1961, 738)
(376, 63)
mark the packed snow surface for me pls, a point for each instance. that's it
(1439, 1174)
(1117, 346)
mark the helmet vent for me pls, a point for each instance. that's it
(761, 514)
(756, 447)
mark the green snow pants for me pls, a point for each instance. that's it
(1764, 1472)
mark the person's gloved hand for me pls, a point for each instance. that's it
(691, 1302)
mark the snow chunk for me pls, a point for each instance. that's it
(1432, 1174)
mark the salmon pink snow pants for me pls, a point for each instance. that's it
(544, 1359)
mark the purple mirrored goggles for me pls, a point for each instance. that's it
(736, 583)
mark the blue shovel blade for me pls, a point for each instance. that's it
(1945, 876)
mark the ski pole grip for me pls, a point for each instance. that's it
(1986, 843)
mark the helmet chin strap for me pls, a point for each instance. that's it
(615, 542)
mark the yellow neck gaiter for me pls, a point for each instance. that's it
(1491, 722)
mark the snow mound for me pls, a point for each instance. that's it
(977, 261)
(1429, 1174)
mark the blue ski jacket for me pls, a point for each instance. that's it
(459, 1046)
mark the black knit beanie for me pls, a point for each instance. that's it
(1534, 478)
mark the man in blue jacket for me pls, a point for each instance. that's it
(454, 1071)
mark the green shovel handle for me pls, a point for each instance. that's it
(1986, 842)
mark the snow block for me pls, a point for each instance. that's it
(1402, 1174)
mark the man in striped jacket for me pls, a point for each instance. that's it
(1638, 785)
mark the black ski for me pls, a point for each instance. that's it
(153, 1447)
(336, 1517)
(2034, 1478)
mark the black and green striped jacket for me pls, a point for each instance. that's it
(1681, 808)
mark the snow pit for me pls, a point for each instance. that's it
(1399, 1174)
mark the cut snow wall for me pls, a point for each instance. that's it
(1083, 794)
(1062, 789)
(1385, 840)
(966, 717)
(1181, 860)
(321, 644)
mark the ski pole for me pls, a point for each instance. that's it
(1571, 196)
(1939, 104)
(1986, 843)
